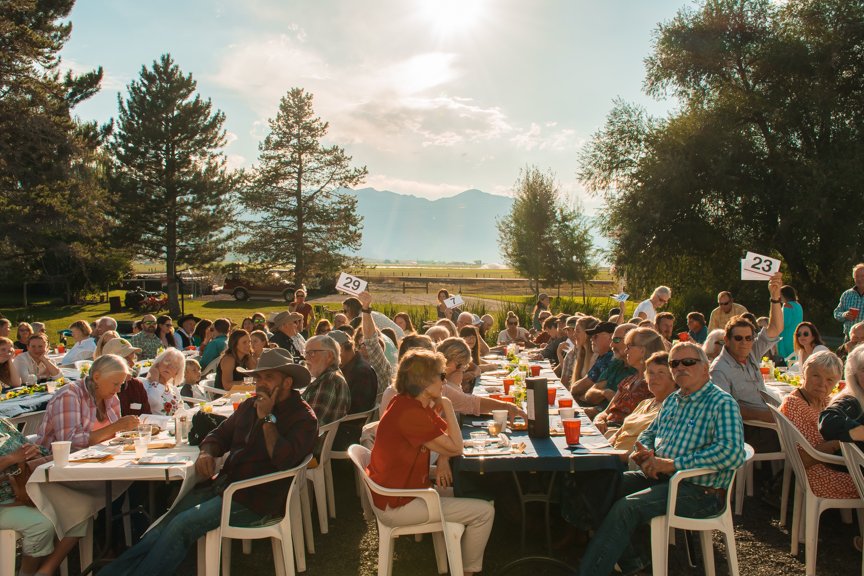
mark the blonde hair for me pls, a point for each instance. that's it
(456, 350)
(417, 369)
(104, 339)
(83, 326)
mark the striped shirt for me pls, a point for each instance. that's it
(851, 298)
(699, 430)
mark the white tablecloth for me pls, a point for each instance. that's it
(70, 495)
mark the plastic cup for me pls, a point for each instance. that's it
(508, 382)
(18, 352)
(51, 387)
(565, 403)
(142, 444)
(535, 370)
(493, 427)
(551, 393)
(495, 396)
(855, 312)
(683, 337)
(566, 413)
(249, 380)
(60, 450)
(479, 438)
(841, 384)
(237, 399)
(61, 349)
(500, 417)
(572, 430)
(508, 398)
(766, 372)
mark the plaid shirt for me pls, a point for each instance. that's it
(71, 415)
(699, 430)
(242, 435)
(148, 343)
(851, 298)
(329, 396)
(379, 363)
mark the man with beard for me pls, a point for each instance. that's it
(147, 340)
(604, 390)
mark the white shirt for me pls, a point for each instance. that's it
(82, 350)
(648, 308)
(521, 334)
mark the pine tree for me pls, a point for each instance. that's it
(302, 215)
(171, 173)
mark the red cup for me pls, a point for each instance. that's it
(508, 398)
(191, 347)
(550, 395)
(572, 430)
(18, 351)
(565, 403)
(683, 337)
(841, 384)
(855, 312)
(535, 370)
(236, 405)
(508, 382)
(61, 349)
(495, 396)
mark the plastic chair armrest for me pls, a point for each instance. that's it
(228, 494)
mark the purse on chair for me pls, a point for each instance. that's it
(19, 476)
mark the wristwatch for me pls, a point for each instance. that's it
(269, 419)
(366, 310)
(779, 301)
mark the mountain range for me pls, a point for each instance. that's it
(402, 227)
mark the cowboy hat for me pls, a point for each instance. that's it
(281, 360)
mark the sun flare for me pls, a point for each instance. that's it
(449, 17)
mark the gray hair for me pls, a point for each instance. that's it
(825, 359)
(854, 363)
(664, 290)
(172, 355)
(111, 322)
(328, 344)
(105, 365)
(438, 333)
(691, 346)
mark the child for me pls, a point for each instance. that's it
(190, 378)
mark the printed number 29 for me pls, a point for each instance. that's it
(351, 283)
(763, 265)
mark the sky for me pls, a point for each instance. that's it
(434, 97)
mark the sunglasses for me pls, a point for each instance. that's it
(512, 323)
(617, 339)
(800, 334)
(688, 362)
(725, 303)
(739, 338)
(149, 323)
(259, 321)
(443, 377)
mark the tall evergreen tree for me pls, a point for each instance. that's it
(171, 173)
(53, 203)
(543, 239)
(302, 215)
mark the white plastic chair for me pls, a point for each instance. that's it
(284, 534)
(661, 526)
(448, 534)
(211, 367)
(8, 538)
(212, 392)
(321, 480)
(745, 475)
(792, 440)
(855, 463)
(30, 420)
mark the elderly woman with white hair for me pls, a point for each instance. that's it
(164, 380)
(802, 407)
(87, 411)
(843, 419)
(714, 343)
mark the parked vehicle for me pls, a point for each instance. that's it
(273, 284)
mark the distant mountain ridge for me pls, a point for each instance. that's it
(458, 228)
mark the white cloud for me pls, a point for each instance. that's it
(536, 138)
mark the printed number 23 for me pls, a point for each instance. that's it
(763, 265)
(352, 283)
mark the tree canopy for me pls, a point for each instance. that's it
(301, 215)
(170, 172)
(763, 153)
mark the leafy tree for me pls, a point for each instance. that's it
(763, 153)
(541, 238)
(302, 216)
(175, 190)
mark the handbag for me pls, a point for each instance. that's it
(202, 424)
(19, 476)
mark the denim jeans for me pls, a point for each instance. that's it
(642, 499)
(162, 549)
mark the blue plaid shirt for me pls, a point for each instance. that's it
(700, 430)
(851, 298)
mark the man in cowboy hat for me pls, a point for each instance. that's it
(273, 431)
(185, 328)
(286, 333)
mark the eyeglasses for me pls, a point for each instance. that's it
(314, 351)
(739, 338)
(725, 303)
(629, 346)
(688, 362)
(512, 323)
(617, 339)
(148, 323)
(259, 321)
(800, 334)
